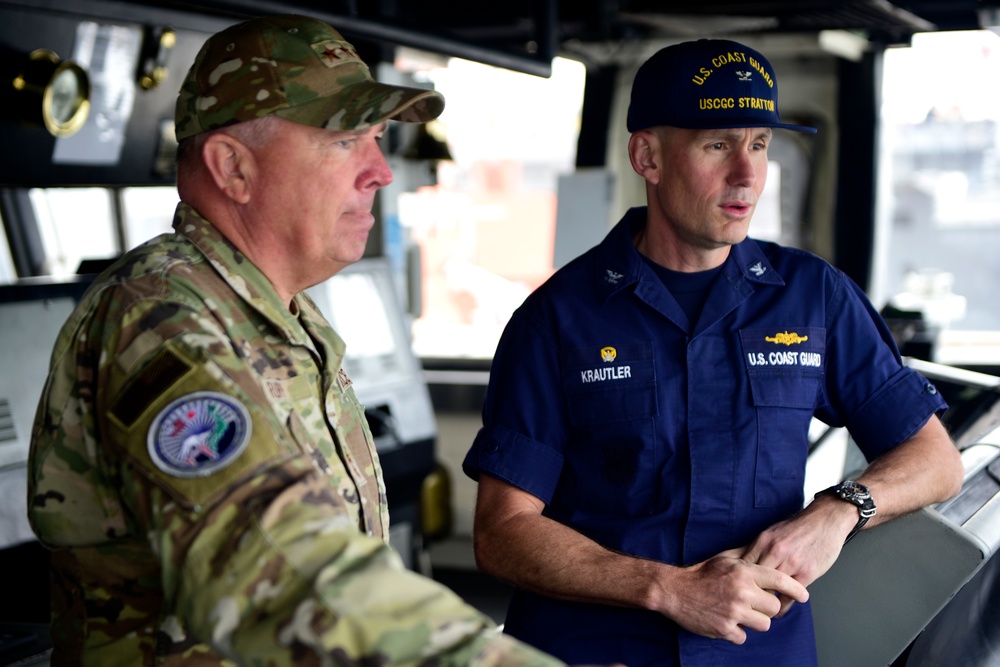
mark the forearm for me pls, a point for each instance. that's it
(270, 580)
(546, 557)
(925, 469)
(361, 605)
(719, 598)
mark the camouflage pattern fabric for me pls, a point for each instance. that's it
(252, 531)
(294, 67)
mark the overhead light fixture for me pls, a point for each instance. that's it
(848, 45)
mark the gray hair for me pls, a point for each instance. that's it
(254, 134)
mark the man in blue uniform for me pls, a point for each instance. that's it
(642, 458)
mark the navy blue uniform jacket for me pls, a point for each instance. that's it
(674, 440)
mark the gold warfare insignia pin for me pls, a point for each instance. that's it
(608, 354)
(785, 338)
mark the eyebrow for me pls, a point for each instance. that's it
(734, 132)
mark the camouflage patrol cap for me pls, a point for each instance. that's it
(294, 67)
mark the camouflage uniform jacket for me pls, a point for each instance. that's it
(205, 478)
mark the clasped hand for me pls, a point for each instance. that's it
(745, 588)
(725, 595)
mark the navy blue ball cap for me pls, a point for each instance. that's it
(706, 84)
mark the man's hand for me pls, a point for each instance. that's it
(721, 596)
(805, 546)
(924, 469)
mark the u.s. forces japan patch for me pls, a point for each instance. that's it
(199, 434)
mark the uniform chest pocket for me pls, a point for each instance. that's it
(789, 388)
(605, 384)
(786, 372)
(611, 459)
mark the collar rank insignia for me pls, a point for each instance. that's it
(343, 380)
(744, 75)
(613, 277)
(758, 269)
(199, 434)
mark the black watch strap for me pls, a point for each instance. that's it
(859, 496)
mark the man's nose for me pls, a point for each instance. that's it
(742, 169)
(378, 174)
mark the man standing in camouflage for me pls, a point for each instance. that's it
(200, 466)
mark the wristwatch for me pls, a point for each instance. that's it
(856, 494)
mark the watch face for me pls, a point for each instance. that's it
(858, 494)
(855, 489)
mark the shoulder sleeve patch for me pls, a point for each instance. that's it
(196, 431)
(198, 434)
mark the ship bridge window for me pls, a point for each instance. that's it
(75, 224)
(147, 212)
(8, 272)
(939, 227)
(486, 228)
(81, 229)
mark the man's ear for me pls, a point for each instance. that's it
(230, 164)
(644, 154)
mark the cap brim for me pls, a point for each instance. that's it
(722, 124)
(365, 104)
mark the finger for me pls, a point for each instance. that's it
(781, 583)
(786, 604)
(757, 620)
(737, 636)
(737, 552)
(766, 602)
